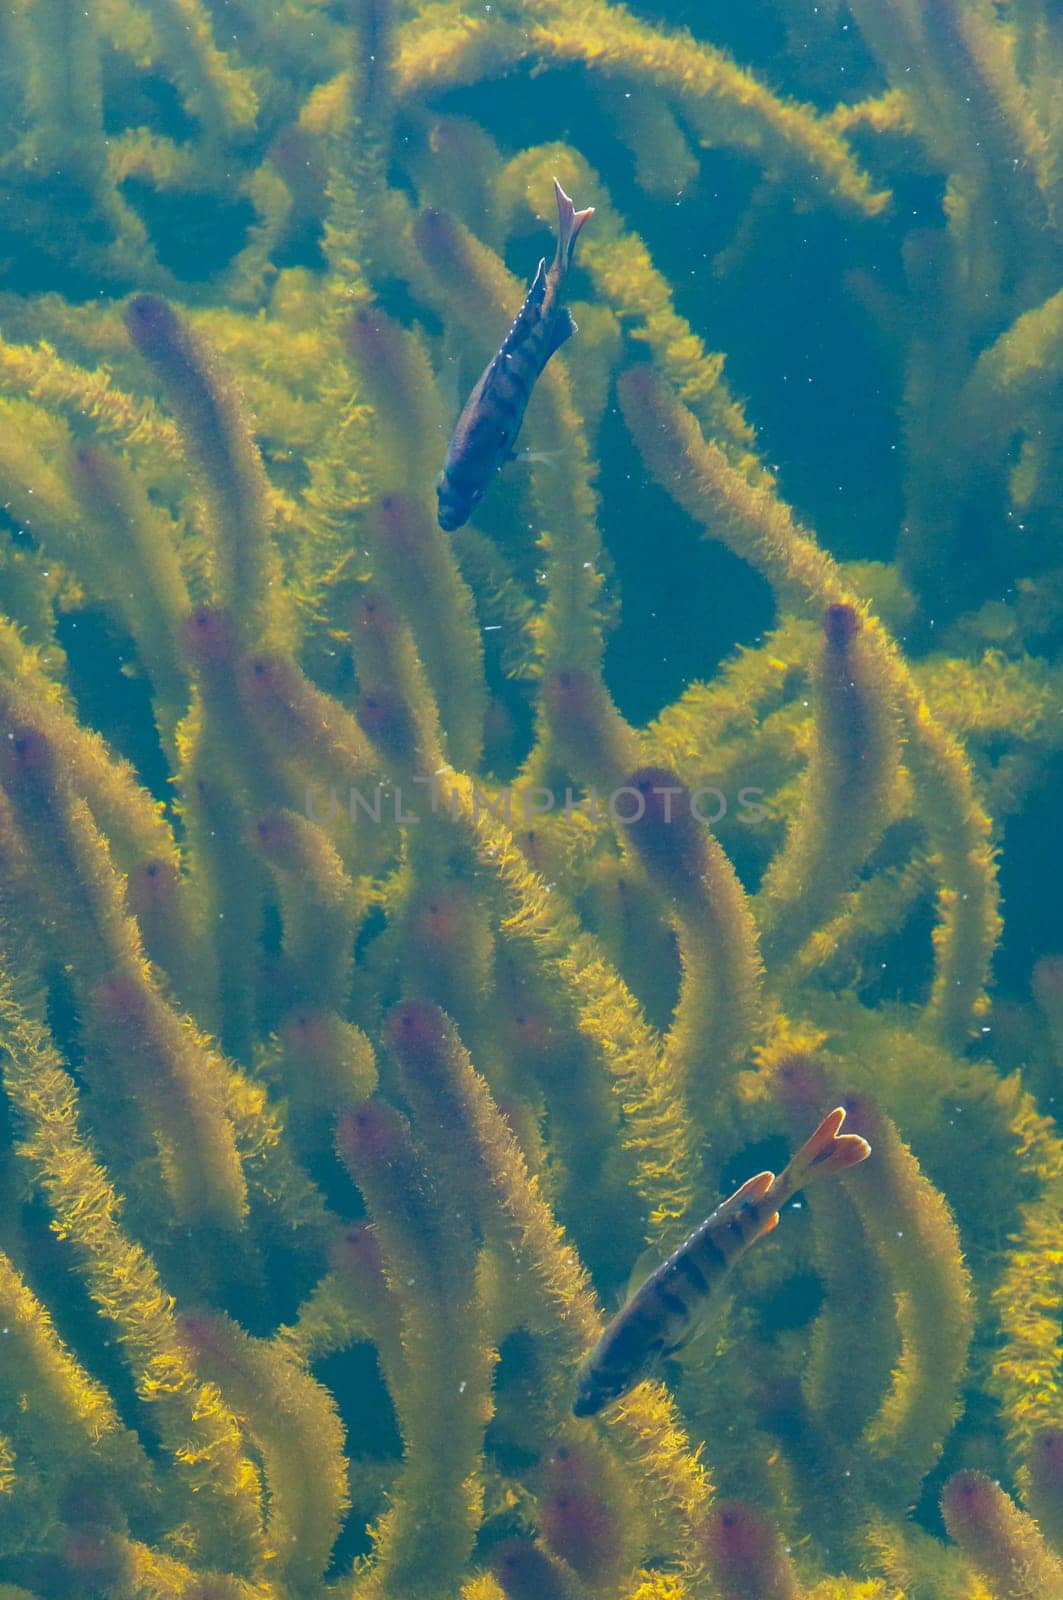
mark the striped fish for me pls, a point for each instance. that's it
(664, 1312)
(490, 420)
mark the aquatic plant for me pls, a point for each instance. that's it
(372, 991)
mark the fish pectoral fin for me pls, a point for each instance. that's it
(647, 1263)
(548, 456)
(448, 383)
(692, 1349)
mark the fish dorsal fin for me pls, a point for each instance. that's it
(537, 293)
(747, 1194)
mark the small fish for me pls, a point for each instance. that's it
(663, 1313)
(490, 420)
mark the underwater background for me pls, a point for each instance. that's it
(358, 1041)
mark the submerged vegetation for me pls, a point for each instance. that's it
(353, 1044)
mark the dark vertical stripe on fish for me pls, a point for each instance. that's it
(491, 418)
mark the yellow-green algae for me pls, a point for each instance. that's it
(323, 1128)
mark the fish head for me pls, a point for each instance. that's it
(599, 1386)
(456, 505)
(617, 1363)
(591, 1394)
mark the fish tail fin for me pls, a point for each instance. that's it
(569, 223)
(828, 1150)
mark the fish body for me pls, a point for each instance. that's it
(490, 420)
(665, 1310)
